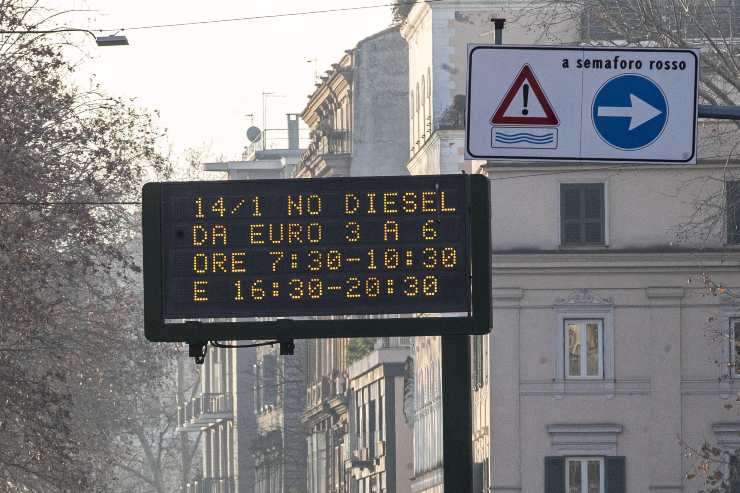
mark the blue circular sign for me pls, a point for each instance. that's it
(629, 112)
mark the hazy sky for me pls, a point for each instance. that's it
(205, 79)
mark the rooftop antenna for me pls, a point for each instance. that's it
(265, 96)
(315, 62)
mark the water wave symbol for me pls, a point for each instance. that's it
(525, 134)
(519, 137)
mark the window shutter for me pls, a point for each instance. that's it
(734, 478)
(615, 475)
(477, 477)
(582, 213)
(593, 211)
(269, 379)
(570, 214)
(733, 212)
(554, 475)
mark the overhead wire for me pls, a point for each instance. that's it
(270, 16)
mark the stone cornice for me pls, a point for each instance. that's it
(551, 262)
(582, 297)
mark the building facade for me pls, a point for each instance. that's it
(609, 352)
(240, 420)
(348, 138)
(438, 35)
(592, 305)
(219, 412)
(280, 447)
(326, 415)
(357, 114)
(380, 437)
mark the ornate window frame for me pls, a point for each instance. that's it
(583, 304)
(729, 310)
(585, 439)
(728, 440)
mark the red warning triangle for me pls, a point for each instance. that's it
(521, 115)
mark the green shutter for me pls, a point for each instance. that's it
(593, 212)
(582, 213)
(733, 212)
(734, 478)
(554, 475)
(478, 477)
(570, 214)
(615, 475)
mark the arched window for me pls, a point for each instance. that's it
(418, 119)
(430, 112)
(423, 107)
(412, 127)
(429, 83)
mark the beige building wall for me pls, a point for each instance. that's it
(665, 377)
(665, 380)
(438, 35)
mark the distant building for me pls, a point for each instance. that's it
(380, 438)
(279, 400)
(242, 416)
(326, 415)
(265, 164)
(357, 114)
(358, 127)
(226, 433)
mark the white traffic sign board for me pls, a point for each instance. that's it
(581, 104)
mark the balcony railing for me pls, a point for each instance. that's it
(204, 410)
(327, 388)
(333, 143)
(369, 449)
(211, 485)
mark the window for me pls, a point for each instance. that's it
(733, 474)
(735, 345)
(582, 214)
(584, 475)
(584, 348)
(573, 370)
(733, 212)
(477, 357)
(574, 474)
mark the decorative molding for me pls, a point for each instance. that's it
(582, 304)
(583, 297)
(728, 435)
(567, 388)
(729, 309)
(729, 301)
(507, 293)
(723, 387)
(507, 297)
(585, 438)
(665, 293)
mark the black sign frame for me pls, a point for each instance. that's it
(477, 320)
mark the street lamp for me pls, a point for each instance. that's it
(111, 40)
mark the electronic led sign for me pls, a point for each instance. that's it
(260, 258)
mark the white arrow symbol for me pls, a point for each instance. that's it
(638, 112)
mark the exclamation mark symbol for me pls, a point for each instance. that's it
(525, 96)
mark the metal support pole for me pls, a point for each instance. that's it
(498, 25)
(457, 418)
(717, 112)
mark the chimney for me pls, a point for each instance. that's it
(293, 142)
